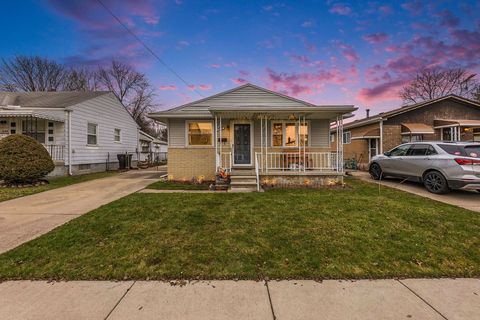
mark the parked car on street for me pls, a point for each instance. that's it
(440, 166)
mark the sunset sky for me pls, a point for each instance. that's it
(325, 52)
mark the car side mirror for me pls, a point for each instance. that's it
(387, 153)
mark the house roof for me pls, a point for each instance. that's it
(146, 137)
(246, 98)
(407, 108)
(62, 99)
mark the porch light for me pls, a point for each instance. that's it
(468, 129)
(292, 117)
(170, 177)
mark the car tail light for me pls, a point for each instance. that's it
(465, 162)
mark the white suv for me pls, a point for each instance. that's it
(441, 166)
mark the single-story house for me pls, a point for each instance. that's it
(449, 118)
(256, 134)
(151, 148)
(82, 131)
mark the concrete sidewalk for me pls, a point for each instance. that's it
(26, 218)
(465, 199)
(365, 299)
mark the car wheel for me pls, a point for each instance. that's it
(375, 171)
(435, 182)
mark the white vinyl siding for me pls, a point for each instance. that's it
(176, 133)
(108, 113)
(319, 133)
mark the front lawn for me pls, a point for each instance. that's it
(57, 182)
(357, 232)
(178, 185)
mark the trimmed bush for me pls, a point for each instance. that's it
(23, 159)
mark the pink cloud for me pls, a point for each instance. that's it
(348, 52)
(386, 91)
(376, 37)
(307, 83)
(215, 65)
(239, 81)
(341, 10)
(205, 86)
(202, 87)
(168, 87)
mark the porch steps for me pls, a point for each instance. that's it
(243, 181)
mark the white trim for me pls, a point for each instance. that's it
(188, 145)
(120, 140)
(97, 129)
(232, 139)
(416, 133)
(350, 137)
(370, 149)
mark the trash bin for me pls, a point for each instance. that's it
(122, 161)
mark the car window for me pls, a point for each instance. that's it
(452, 149)
(473, 151)
(431, 151)
(400, 151)
(418, 150)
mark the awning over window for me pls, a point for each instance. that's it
(370, 134)
(29, 113)
(456, 123)
(416, 128)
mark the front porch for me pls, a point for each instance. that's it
(281, 148)
(47, 130)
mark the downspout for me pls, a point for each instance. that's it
(381, 136)
(69, 127)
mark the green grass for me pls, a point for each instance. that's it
(177, 185)
(11, 193)
(355, 232)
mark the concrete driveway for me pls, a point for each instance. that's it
(26, 218)
(465, 199)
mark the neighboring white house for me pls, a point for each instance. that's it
(82, 131)
(151, 148)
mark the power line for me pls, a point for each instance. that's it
(148, 48)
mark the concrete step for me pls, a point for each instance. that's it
(242, 189)
(242, 177)
(242, 173)
(244, 183)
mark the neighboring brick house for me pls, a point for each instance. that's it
(450, 118)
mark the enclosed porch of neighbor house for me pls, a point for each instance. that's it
(277, 147)
(46, 129)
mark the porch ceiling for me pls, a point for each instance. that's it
(28, 113)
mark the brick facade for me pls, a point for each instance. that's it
(186, 163)
(392, 126)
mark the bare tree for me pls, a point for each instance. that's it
(81, 79)
(132, 88)
(23, 73)
(434, 83)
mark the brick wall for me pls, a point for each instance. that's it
(186, 163)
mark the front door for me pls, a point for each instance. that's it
(242, 151)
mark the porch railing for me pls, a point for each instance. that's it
(57, 152)
(224, 161)
(294, 161)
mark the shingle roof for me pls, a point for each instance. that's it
(47, 99)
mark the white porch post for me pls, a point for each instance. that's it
(266, 142)
(305, 143)
(215, 142)
(221, 143)
(261, 140)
